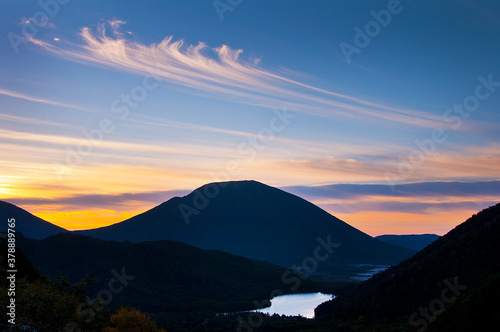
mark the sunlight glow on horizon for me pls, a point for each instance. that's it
(373, 223)
(108, 112)
(370, 214)
(82, 220)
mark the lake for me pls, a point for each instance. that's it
(296, 304)
(366, 271)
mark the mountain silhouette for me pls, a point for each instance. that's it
(174, 281)
(251, 219)
(30, 225)
(458, 272)
(412, 241)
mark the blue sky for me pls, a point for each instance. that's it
(267, 93)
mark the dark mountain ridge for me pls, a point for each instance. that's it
(250, 219)
(458, 264)
(412, 241)
(30, 225)
(173, 281)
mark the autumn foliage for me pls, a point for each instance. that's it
(131, 320)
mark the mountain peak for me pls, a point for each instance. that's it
(233, 185)
(31, 226)
(252, 219)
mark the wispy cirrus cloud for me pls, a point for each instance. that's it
(409, 207)
(421, 189)
(18, 95)
(115, 26)
(100, 200)
(472, 163)
(29, 121)
(222, 73)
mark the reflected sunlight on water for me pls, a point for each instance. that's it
(296, 304)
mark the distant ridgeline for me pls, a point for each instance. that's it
(455, 280)
(450, 285)
(415, 242)
(250, 219)
(30, 225)
(172, 281)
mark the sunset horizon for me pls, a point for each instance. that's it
(237, 165)
(138, 108)
(405, 219)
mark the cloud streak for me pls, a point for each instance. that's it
(19, 95)
(472, 164)
(222, 73)
(423, 198)
(422, 189)
(409, 207)
(101, 201)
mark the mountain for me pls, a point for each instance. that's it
(30, 225)
(251, 219)
(478, 305)
(415, 242)
(173, 281)
(456, 272)
(25, 268)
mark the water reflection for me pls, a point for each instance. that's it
(296, 304)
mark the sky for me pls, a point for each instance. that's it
(383, 113)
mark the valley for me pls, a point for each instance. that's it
(181, 286)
